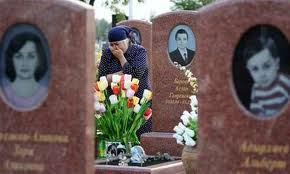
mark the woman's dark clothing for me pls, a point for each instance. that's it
(136, 65)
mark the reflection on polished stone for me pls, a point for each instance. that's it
(138, 155)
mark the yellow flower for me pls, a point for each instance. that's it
(103, 83)
(136, 100)
(101, 96)
(147, 94)
(135, 81)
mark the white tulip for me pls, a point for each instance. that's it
(128, 77)
(137, 108)
(113, 99)
(130, 93)
(127, 84)
(142, 101)
(103, 83)
(102, 107)
(97, 106)
(116, 78)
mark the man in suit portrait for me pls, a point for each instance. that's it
(182, 54)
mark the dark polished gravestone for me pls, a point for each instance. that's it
(243, 116)
(46, 75)
(142, 36)
(171, 90)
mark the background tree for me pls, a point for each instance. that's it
(102, 28)
(113, 4)
(189, 4)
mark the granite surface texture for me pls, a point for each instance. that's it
(56, 137)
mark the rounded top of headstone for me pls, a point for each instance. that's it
(173, 13)
(134, 21)
(216, 5)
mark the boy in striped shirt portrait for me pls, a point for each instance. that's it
(271, 88)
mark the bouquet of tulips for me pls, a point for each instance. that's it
(119, 115)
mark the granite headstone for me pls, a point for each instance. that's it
(244, 117)
(142, 34)
(46, 75)
(171, 90)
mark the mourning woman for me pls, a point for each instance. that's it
(25, 67)
(125, 57)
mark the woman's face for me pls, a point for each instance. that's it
(123, 45)
(25, 61)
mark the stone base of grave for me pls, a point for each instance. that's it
(175, 167)
(163, 142)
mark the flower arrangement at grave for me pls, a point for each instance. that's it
(186, 130)
(119, 115)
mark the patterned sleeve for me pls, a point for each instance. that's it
(138, 66)
(103, 67)
(255, 105)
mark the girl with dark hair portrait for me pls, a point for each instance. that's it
(25, 67)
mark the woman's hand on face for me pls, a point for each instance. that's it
(117, 52)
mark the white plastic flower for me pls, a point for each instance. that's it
(178, 130)
(193, 102)
(188, 73)
(179, 142)
(188, 140)
(189, 132)
(185, 117)
(193, 115)
(181, 126)
(178, 136)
